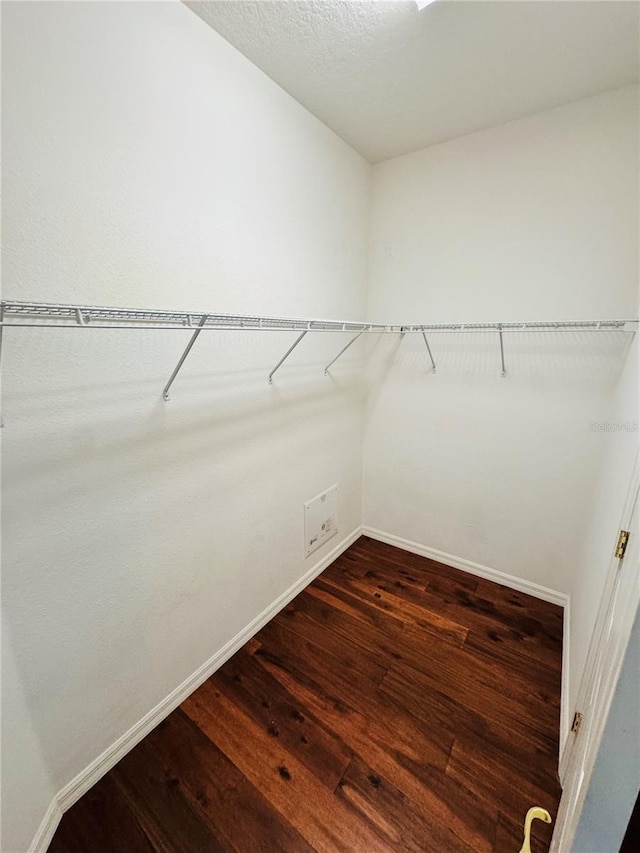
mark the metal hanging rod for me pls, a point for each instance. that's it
(59, 316)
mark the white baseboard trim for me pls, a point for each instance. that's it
(511, 581)
(47, 828)
(71, 793)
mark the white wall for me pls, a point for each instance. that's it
(532, 220)
(147, 163)
(29, 790)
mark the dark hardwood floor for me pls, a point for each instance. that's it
(396, 704)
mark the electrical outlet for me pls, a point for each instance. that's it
(320, 519)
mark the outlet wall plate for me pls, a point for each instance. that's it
(320, 519)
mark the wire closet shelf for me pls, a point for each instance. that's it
(63, 316)
(57, 315)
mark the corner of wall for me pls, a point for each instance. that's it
(77, 787)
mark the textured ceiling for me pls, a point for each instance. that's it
(390, 79)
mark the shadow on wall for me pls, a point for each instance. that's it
(141, 535)
(220, 416)
(549, 358)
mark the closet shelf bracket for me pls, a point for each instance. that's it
(504, 369)
(286, 355)
(183, 357)
(433, 364)
(344, 349)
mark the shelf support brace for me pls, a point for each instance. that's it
(344, 349)
(433, 364)
(183, 357)
(504, 369)
(286, 355)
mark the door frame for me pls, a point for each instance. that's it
(620, 600)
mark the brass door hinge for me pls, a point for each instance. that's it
(621, 546)
(577, 722)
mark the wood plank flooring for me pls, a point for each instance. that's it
(396, 704)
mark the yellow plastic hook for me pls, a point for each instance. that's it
(532, 814)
